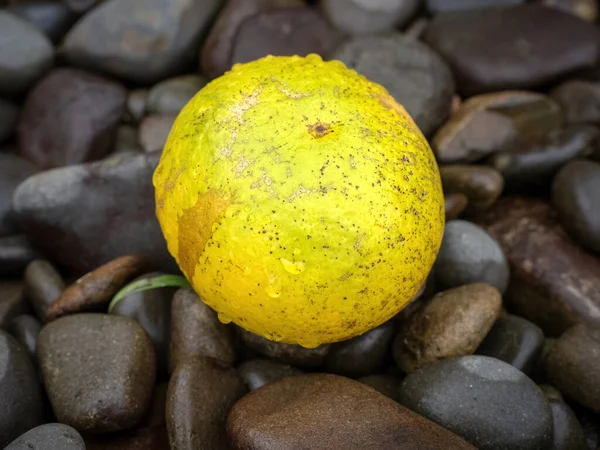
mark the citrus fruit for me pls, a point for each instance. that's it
(300, 200)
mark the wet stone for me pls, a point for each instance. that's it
(15, 253)
(25, 329)
(486, 401)
(50, 17)
(99, 371)
(455, 205)
(567, 431)
(580, 101)
(13, 170)
(154, 131)
(171, 95)
(413, 74)
(12, 301)
(516, 341)
(470, 255)
(69, 117)
(257, 373)
(482, 185)
(453, 323)
(197, 331)
(51, 436)
(43, 285)
(8, 119)
(387, 385)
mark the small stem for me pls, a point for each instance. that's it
(160, 281)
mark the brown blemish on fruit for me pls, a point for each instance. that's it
(388, 102)
(319, 129)
(196, 228)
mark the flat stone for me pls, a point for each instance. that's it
(257, 373)
(52, 207)
(197, 331)
(50, 17)
(412, 73)
(8, 119)
(322, 412)
(470, 255)
(51, 436)
(98, 369)
(64, 97)
(482, 185)
(25, 54)
(171, 95)
(580, 101)
(583, 9)
(573, 365)
(154, 131)
(15, 253)
(454, 205)
(441, 6)
(516, 341)
(12, 301)
(13, 170)
(453, 323)
(20, 391)
(486, 401)
(25, 329)
(201, 393)
(567, 431)
(140, 42)
(554, 283)
(43, 285)
(385, 384)
(525, 46)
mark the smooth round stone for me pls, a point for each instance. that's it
(43, 285)
(154, 131)
(413, 74)
(215, 57)
(363, 354)
(90, 107)
(567, 431)
(137, 102)
(170, 96)
(51, 436)
(257, 373)
(139, 42)
(579, 100)
(572, 365)
(201, 393)
(453, 323)
(470, 255)
(126, 141)
(152, 310)
(454, 205)
(369, 16)
(99, 371)
(197, 331)
(293, 354)
(482, 185)
(516, 341)
(25, 54)
(525, 46)
(15, 253)
(25, 329)
(575, 196)
(284, 32)
(8, 119)
(20, 391)
(583, 9)
(323, 411)
(12, 301)
(385, 384)
(486, 401)
(50, 17)
(13, 170)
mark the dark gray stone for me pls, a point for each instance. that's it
(50, 17)
(580, 101)
(13, 170)
(126, 141)
(43, 285)
(154, 131)
(257, 373)
(15, 253)
(568, 434)
(12, 301)
(8, 120)
(51, 436)
(170, 96)
(25, 329)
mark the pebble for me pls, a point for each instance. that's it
(15, 253)
(201, 393)
(385, 384)
(363, 354)
(139, 42)
(43, 285)
(170, 96)
(525, 46)
(293, 354)
(8, 119)
(413, 74)
(284, 32)
(482, 185)
(126, 141)
(81, 128)
(579, 100)
(567, 434)
(572, 365)
(20, 391)
(96, 288)
(454, 205)
(152, 310)
(51, 436)
(453, 323)
(197, 331)
(470, 255)
(137, 102)
(257, 373)
(12, 301)
(584, 9)
(54, 208)
(25, 54)
(368, 16)
(323, 412)
(442, 6)
(154, 131)
(554, 283)
(99, 371)
(516, 341)
(50, 17)
(537, 166)
(489, 123)
(574, 195)
(486, 401)
(13, 170)
(25, 329)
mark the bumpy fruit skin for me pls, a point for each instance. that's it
(300, 200)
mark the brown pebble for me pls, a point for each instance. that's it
(43, 285)
(454, 205)
(481, 184)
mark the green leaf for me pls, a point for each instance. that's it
(157, 282)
